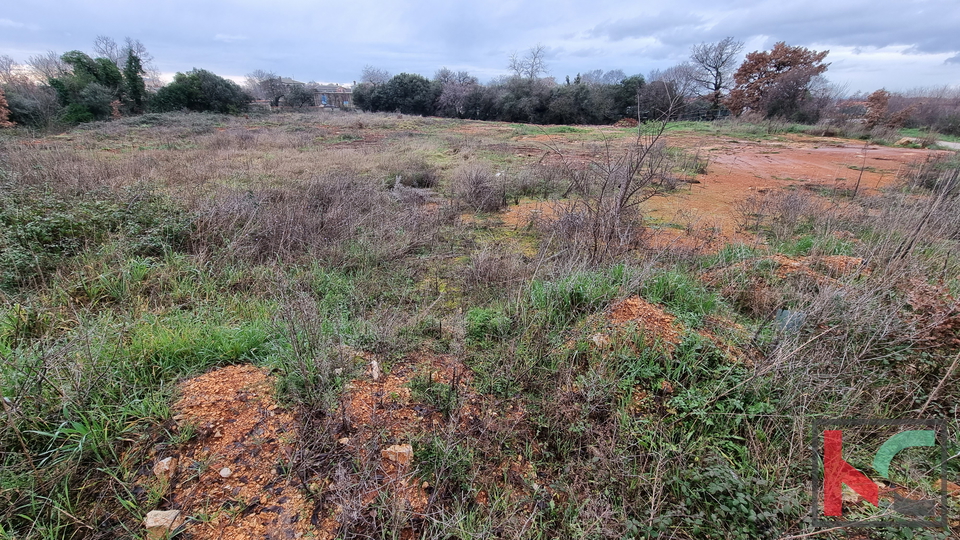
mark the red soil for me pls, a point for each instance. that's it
(739, 168)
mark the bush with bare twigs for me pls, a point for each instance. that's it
(327, 217)
(602, 218)
(479, 188)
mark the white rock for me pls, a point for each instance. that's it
(161, 522)
(225, 472)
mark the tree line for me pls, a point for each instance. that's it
(785, 82)
(78, 87)
(782, 82)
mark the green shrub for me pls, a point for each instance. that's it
(713, 500)
(75, 113)
(415, 172)
(487, 324)
(201, 91)
(41, 228)
(683, 295)
(448, 466)
(562, 301)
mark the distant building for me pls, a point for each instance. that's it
(328, 96)
(288, 83)
(332, 96)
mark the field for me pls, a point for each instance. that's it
(347, 325)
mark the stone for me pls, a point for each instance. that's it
(600, 340)
(225, 472)
(401, 454)
(375, 370)
(159, 523)
(165, 468)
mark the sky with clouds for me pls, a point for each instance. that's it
(896, 44)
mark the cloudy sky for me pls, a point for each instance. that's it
(897, 44)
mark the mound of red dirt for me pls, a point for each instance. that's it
(653, 320)
(229, 479)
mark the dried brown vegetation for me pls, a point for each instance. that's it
(486, 295)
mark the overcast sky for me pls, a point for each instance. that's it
(897, 44)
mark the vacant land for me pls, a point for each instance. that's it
(372, 326)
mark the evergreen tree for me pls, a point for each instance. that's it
(200, 90)
(133, 73)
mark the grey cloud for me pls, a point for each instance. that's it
(645, 25)
(857, 23)
(586, 53)
(7, 23)
(293, 37)
(926, 26)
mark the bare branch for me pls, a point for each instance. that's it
(715, 63)
(106, 47)
(530, 66)
(48, 65)
(373, 75)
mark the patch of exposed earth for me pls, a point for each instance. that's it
(231, 480)
(701, 214)
(738, 168)
(822, 269)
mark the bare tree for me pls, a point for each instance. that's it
(598, 76)
(374, 75)
(591, 77)
(601, 214)
(152, 77)
(48, 65)
(614, 76)
(7, 69)
(455, 89)
(715, 63)
(262, 84)
(530, 66)
(682, 77)
(106, 47)
(35, 104)
(12, 75)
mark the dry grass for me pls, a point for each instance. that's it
(317, 242)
